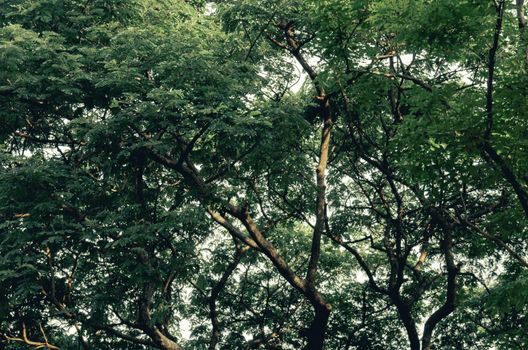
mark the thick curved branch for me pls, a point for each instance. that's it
(35, 344)
(449, 304)
(233, 231)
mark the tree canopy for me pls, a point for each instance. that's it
(263, 174)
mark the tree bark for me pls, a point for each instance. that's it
(317, 332)
(449, 305)
(404, 313)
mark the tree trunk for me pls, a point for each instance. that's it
(317, 331)
(404, 312)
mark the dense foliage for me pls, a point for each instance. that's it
(273, 174)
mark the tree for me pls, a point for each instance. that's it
(273, 174)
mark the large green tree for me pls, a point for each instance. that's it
(274, 174)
